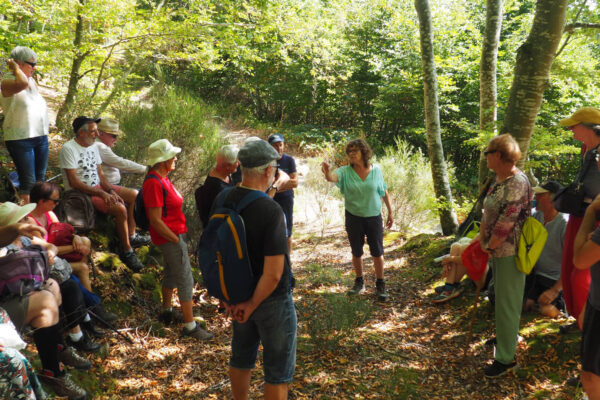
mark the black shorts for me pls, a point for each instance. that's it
(359, 227)
(590, 340)
(538, 284)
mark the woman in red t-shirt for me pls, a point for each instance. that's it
(163, 205)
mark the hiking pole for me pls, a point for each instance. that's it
(109, 325)
(470, 333)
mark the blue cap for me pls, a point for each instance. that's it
(275, 138)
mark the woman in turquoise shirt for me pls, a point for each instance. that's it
(363, 186)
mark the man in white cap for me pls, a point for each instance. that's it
(112, 164)
(269, 316)
(81, 167)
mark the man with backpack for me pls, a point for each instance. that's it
(268, 316)
(80, 163)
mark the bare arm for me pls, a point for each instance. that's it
(272, 271)
(155, 218)
(10, 87)
(329, 175)
(388, 205)
(10, 232)
(585, 252)
(290, 184)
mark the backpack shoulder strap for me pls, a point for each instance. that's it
(249, 199)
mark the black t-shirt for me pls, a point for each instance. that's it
(265, 235)
(205, 196)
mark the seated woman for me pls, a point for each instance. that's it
(45, 196)
(39, 309)
(454, 270)
(73, 304)
(17, 379)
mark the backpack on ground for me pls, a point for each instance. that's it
(23, 271)
(139, 209)
(76, 208)
(222, 252)
(531, 243)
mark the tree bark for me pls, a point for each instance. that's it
(532, 71)
(63, 113)
(432, 121)
(487, 77)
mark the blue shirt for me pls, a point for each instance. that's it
(361, 198)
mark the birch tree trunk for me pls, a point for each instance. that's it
(432, 121)
(532, 71)
(487, 77)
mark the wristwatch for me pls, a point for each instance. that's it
(273, 187)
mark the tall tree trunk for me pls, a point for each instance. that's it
(63, 113)
(532, 71)
(487, 77)
(432, 120)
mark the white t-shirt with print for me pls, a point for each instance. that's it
(83, 159)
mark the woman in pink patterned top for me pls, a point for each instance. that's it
(505, 209)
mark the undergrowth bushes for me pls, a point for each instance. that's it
(186, 121)
(338, 314)
(408, 176)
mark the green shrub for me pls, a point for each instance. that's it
(186, 121)
(333, 316)
(408, 176)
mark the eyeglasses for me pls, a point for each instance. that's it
(31, 63)
(485, 153)
(56, 201)
(349, 151)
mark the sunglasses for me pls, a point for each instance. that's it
(485, 153)
(55, 201)
(31, 63)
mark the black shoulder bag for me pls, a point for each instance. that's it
(570, 200)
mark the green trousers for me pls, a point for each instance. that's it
(509, 284)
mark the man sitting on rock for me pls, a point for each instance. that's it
(544, 285)
(81, 167)
(112, 164)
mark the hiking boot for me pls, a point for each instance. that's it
(92, 329)
(497, 369)
(380, 291)
(70, 358)
(138, 240)
(574, 381)
(84, 344)
(439, 289)
(358, 288)
(62, 386)
(197, 333)
(168, 317)
(99, 312)
(449, 293)
(130, 259)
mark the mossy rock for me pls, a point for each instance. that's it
(146, 280)
(109, 261)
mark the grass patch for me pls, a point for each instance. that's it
(334, 317)
(319, 275)
(401, 383)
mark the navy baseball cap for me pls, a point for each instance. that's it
(275, 138)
